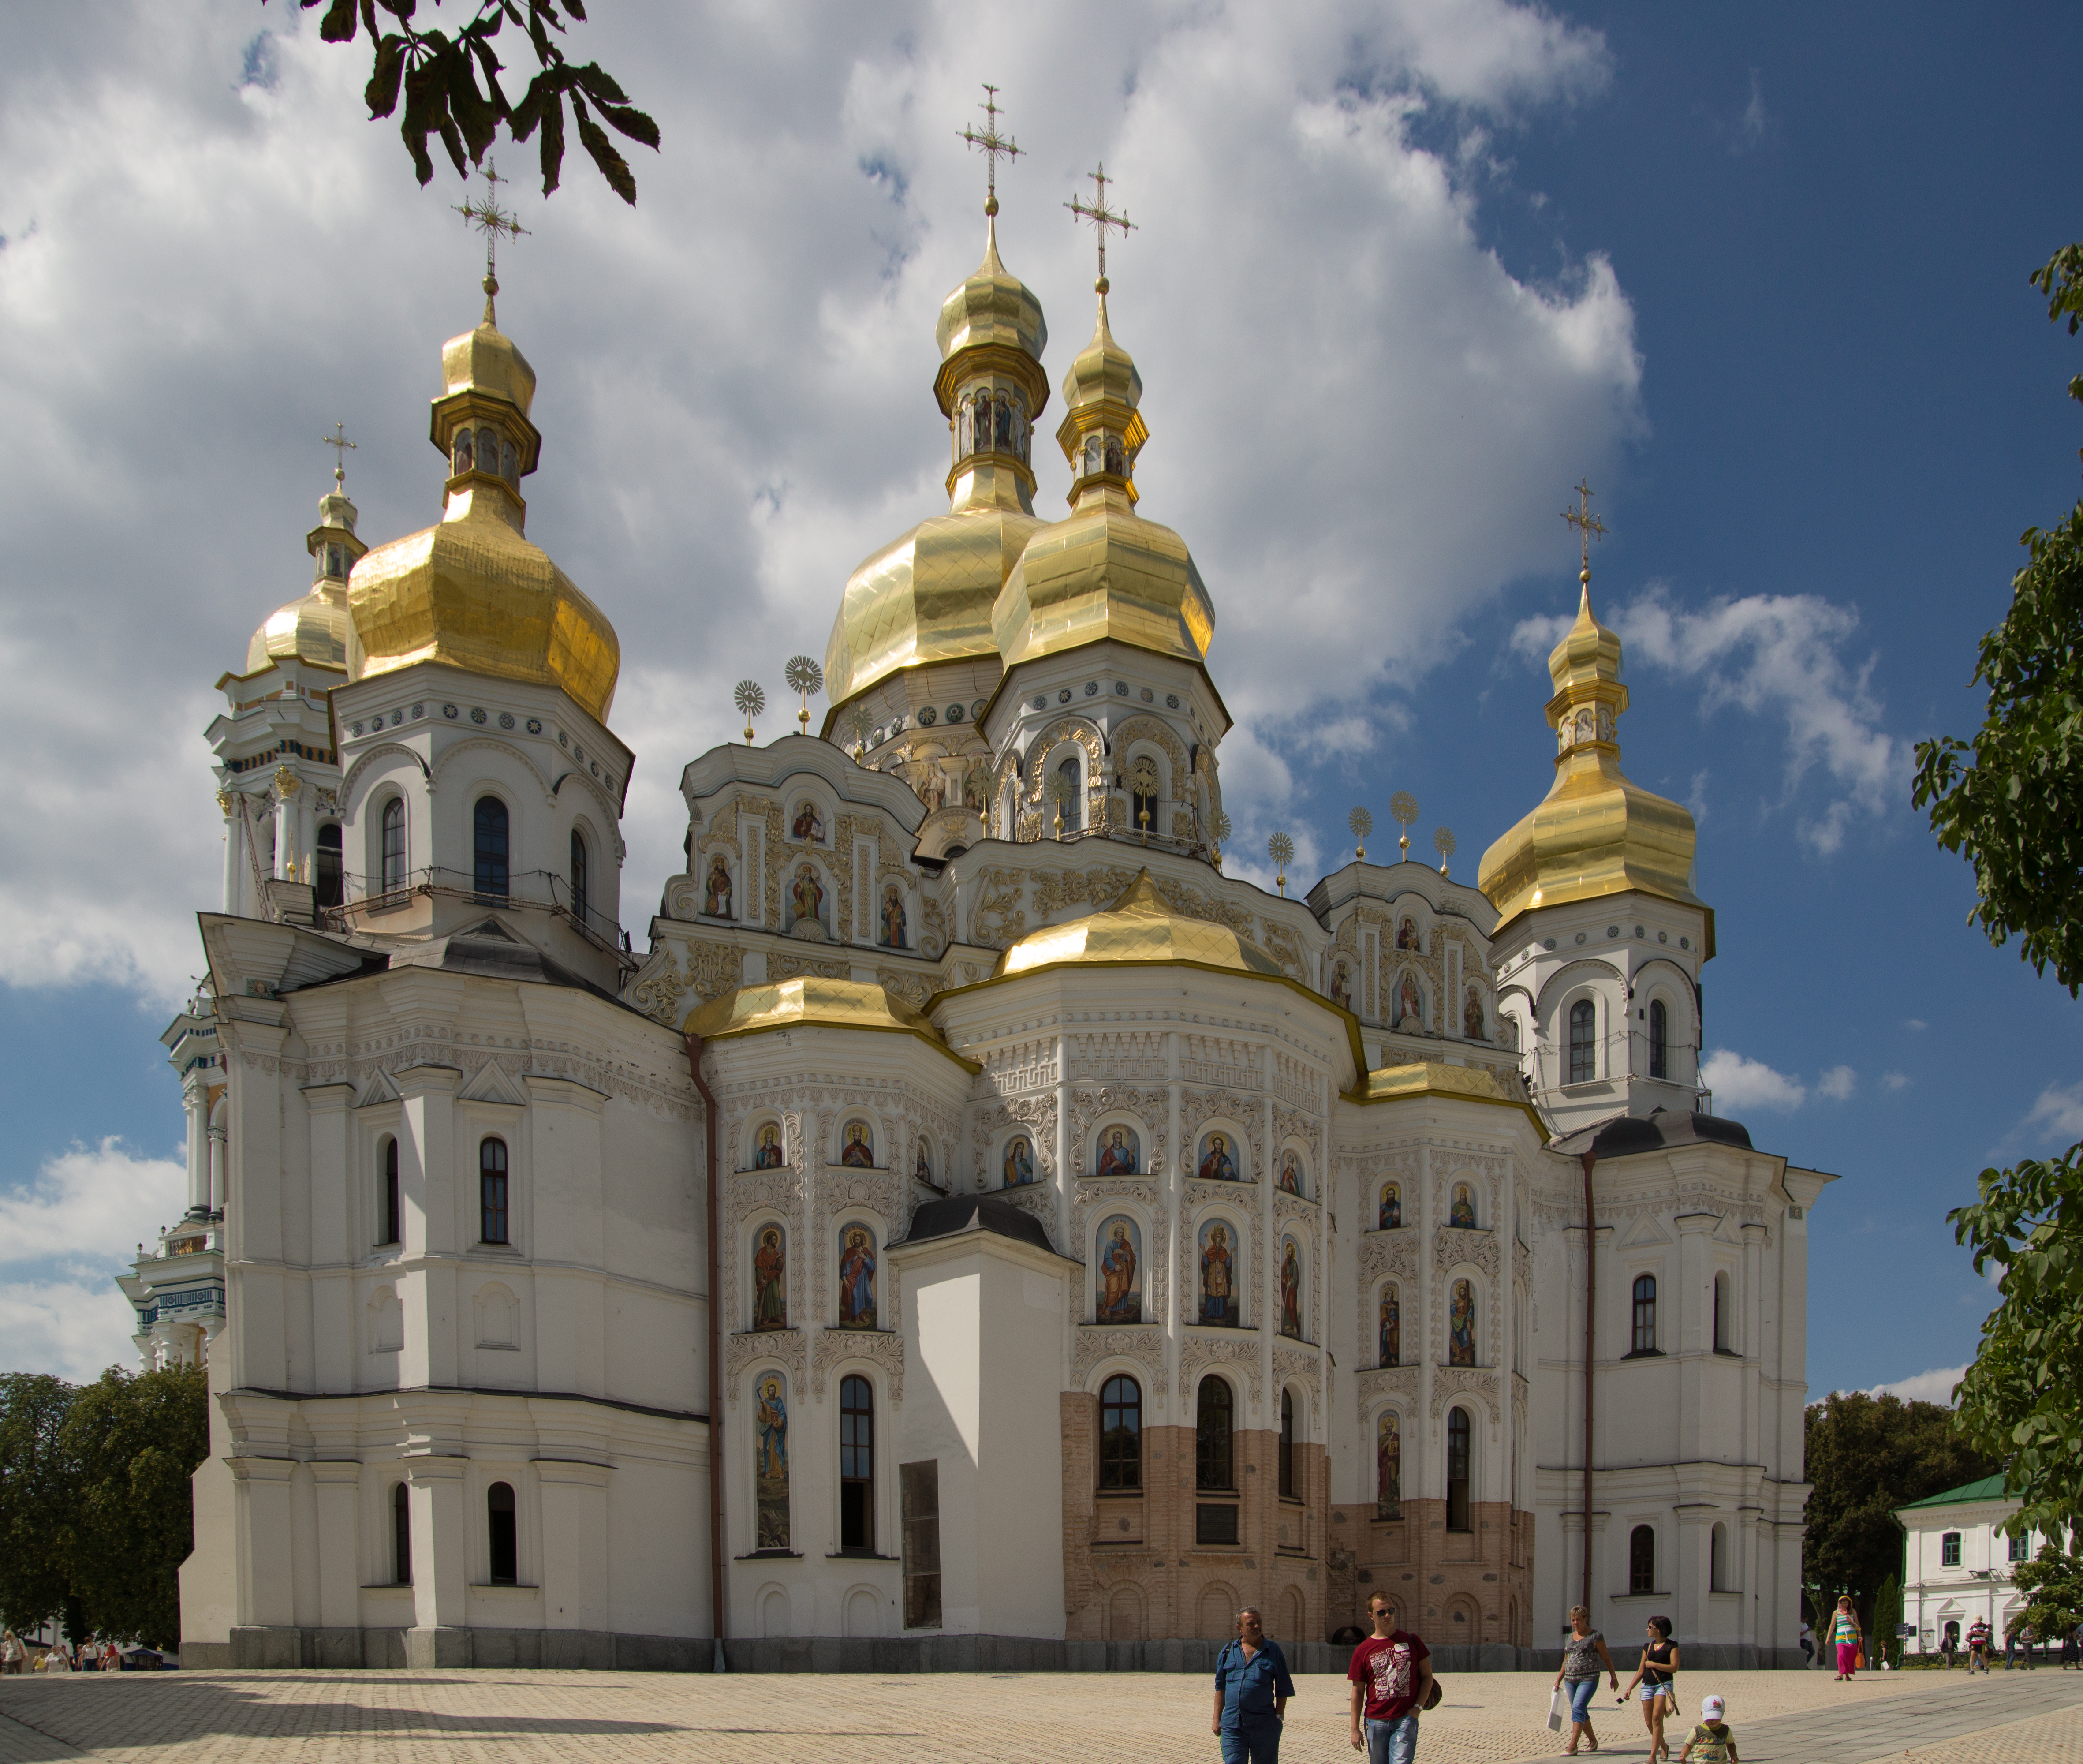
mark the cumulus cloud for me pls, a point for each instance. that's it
(1837, 1084)
(1740, 1083)
(211, 256)
(1933, 1386)
(1895, 1081)
(1915, 1024)
(2058, 1115)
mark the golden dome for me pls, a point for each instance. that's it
(472, 592)
(313, 629)
(1139, 927)
(993, 306)
(1596, 833)
(812, 1002)
(1104, 571)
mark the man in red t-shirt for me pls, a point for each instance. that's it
(1391, 1676)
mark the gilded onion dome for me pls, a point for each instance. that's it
(1596, 833)
(1103, 572)
(1138, 927)
(312, 628)
(472, 592)
(927, 596)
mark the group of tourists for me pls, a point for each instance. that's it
(18, 1656)
(1654, 1686)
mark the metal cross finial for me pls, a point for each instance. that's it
(1101, 216)
(1588, 527)
(490, 219)
(993, 144)
(341, 447)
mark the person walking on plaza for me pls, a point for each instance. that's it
(1714, 1742)
(12, 1653)
(1251, 1689)
(1658, 1677)
(1807, 1643)
(1844, 1635)
(1392, 1676)
(1978, 1646)
(1583, 1652)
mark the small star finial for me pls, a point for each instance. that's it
(993, 144)
(490, 219)
(1588, 527)
(341, 447)
(1101, 216)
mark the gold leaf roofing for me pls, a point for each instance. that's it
(1435, 1078)
(814, 1002)
(312, 629)
(1139, 927)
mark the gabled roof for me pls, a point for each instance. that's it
(1988, 1488)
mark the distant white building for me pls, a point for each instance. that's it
(1957, 1563)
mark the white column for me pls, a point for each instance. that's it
(234, 848)
(216, 1152)
(285, 834)
(307, 836)
(193, 1101)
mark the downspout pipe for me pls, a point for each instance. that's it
(709, 1183)
(1588, 1158)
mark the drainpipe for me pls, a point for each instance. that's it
(715, 1352)
(1590, 1344)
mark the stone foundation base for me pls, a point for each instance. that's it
(258, 1648)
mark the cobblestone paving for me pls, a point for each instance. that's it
(624, 1718)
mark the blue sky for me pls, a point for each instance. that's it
(1402, 273)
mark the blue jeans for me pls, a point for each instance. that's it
(1392, 1742)
(1580, 1691)
(1255, 1739)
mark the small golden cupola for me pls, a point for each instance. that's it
(1103, 572)
(312, 628)
(472, 592)
(1596, 833)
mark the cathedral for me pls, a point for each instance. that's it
(961, 1227)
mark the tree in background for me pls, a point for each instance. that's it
(2011, 802)
(2053, 1583)
(1867, 1456)
(36, 1491)
(1882, 1641)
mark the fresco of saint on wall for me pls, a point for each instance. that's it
(857, 1146)
(806, 895)
(770, 1473)
(1217, 1158)
(1291, 1289)
(1391, 1346)
(1342, 986)
(767, 1148)
(1121, 1270)
(1406, 935)
(1120, 1151)
(856, 1278)
(716, 896)
(1461, 1327)
(809, 822)
(1220, 1275)
(1388, 1469)
(769, 1279)
(1462, 1213)
(1019, 1162)
(1290, 1174)
(924, 1170)
(1472, 1017)
(1391, 1213)
(1410, 1005)
(893, 918)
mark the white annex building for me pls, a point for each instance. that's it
(1956, 1565)
(965, 1227)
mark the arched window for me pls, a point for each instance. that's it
(465, 454)
(491, 847)
(394, 845)
(1645, 1313)
(1005, 425)
(1457, 1471)
(1641, 1559)
(1072, 795)
(1287, 1489)
(499, 1533)
(392, 1217)
(1212, 1465)
(1143, 802)
(1121, 1435)
(1717, 1560)
(492, 1191)
(1659, 1040)
(401, 1535)
(1583, 1046)
(856, 1463)
(327, 876)
(509, 463)
(579, 901)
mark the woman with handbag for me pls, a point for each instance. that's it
(1658, 1677)
(1583, 1653)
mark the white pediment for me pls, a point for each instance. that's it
(1644, 1234)
(490, 1084)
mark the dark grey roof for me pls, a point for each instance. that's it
(951, 1217)
(1626, 1134)
(487, 950)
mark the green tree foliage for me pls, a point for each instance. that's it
(1867, 1456)
(1887, 1613)
(2011, 802)
(450, 86)
(35, 1491)
(2053, 1582)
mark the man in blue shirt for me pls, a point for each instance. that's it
(1251, 1689)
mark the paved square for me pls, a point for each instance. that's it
(628, 1718)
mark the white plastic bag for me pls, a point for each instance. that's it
(1555, 1711)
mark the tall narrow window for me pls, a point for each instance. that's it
(857, 1464)
(1288, 1488)
(1659, 1040)
(1457, 1471)
(492, 1191)
(401, 1535)
(1641, 1559)
(327, 871)
(1645, 1313)
(1717, 1560)
(491, 847)
(1949, 1550)
(1721, 1314)
(1212, 1467)
(499, 1533)
(919, 1489)
(2021, 1547)
(1071, 795)
(1120, 1435)
(579, 891)
(1584, 1047)
(392, 1212)
(394, 846)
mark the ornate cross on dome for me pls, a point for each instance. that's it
(1588, 527)
(341, 448)
(1101, 216)
(993, 144)
(490, 219)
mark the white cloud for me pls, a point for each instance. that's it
(1750, 126)
(1895, 1081)
(1837, 1084)
(75, 1329)
(2058, 1115)
(1917, 1024)
(1933, 1386)
(1739, 1083)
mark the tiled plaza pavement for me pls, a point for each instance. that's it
(624, 1718)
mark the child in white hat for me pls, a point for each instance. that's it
(1714, 1742)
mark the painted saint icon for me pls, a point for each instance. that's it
(1342, 986)
(1218, 1276)
(1409, 1006)
(924, 1171)
(1290, 1290)
(1388, 1469)
(1121, 1270)
(856, 1278)
(1391, 1326)
(1462, 1213)
(1406, 935)
(771, 1464)
(716, 899)
(1217, 1164)
(1391, 1208)
(809, 824)
(1120, 1151)
(1290, 1174)
(767, 1154)
(858, 1150)
(807, 894)
(892, 919)
(1472, 1017)
(770, 1273)
(1019, 1161)
(1461, 1327)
